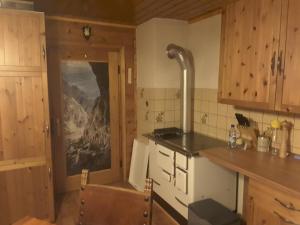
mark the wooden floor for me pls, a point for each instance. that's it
(67, 210)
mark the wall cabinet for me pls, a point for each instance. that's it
(26, 187)
(266, 205)
(289, 72)
(260, 55)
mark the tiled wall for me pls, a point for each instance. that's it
(159, 108)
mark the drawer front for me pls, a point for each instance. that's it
(281, 205)
(178, 202)
(165, 175)
(181, 206)
(181, 161)
(165, 159)
(181, 180)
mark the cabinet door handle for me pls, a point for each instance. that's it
(178, 200)
(164, 154)
(273, 63)
(289, 206)
(280, 63)
(286, 221)
(155, 182)
(167, 172)
(49, 173)
(44, 52)
(47, 129)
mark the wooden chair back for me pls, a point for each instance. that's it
(106, 205)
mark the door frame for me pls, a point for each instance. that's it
(55, 56)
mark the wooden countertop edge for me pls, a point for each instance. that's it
(245, 172)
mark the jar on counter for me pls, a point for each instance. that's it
(263, 144)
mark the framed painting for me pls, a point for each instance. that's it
(86, 116)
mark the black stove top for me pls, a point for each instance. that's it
(189, 144)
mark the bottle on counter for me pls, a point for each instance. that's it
(275, 145)
(232, 137)
(285, 136)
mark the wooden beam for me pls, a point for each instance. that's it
(123, 113)
(86, 21)
(9, 165)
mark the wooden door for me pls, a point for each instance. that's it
(259, 212)
(261, 216)
(69, 160)
(288, 98)
(250, 43)
(26, 187)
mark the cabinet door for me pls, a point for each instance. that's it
(26, 184)
(250, 42)
(258, 213)
(289, 77)
(20, 46)
(261, 216)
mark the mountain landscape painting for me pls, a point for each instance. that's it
(86, 122)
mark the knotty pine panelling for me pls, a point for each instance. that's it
(24, 192)
(175, 9)
(65, 41)
(129, 11)
(121, 11)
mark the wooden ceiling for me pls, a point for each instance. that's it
(175, 9)
(129, 11)
(120, 11)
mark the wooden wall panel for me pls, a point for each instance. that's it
(22, 117)
(65, 40)
(23, 193)
(20, 39)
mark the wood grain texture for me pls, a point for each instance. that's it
(25, 152)
(23, 193)
(31, 221)
(175, 9)
(259, 196)
(113, 203)
(20, 39)
(129, 11)
(121, 11)
(251, 35)
(289, 97)
(68, 209)
(22, 129)
(282, 174)
(65, 41)
(16, 164)
(123, 144)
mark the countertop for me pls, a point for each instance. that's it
(284, 174)
(188, 144)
